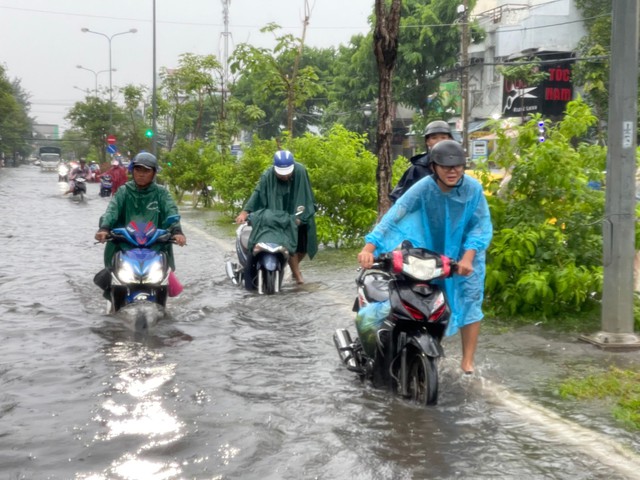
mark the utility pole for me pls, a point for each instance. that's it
(464, 76)
(619, 224)
(224, 87)
(225, 58)
(154, 98)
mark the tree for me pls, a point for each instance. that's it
(190, 94)
(134, 137)
(428, 46)
(277, 73)
(593, 72)
(92, 118)
(74, 145)
(15, 124)
(352, 90)
(186, 167)
(385, 47)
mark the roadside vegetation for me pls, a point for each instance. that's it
(619, 387)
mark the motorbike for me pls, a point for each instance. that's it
(402, 315)
(140, 276)
(63, 173)
(270, 233)
(79, 188)
(106, 185)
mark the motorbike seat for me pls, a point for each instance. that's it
(376, 286)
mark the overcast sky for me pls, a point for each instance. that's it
(41, 42)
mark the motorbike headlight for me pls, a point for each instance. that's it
(421, 268)
(126, 274)
(155, 274)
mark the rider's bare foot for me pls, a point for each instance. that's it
(467, 369)
(298, 277)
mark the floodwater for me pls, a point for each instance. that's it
(233, 385)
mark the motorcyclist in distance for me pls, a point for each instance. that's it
(118, 175)
(81, 170)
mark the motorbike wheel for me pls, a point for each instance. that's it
(423, 380)
(271, 281)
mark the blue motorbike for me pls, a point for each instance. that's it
(140, 273)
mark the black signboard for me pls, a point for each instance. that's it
(550, 97)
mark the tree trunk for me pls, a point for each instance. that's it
(385, 47)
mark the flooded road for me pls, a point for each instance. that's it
(233, 385)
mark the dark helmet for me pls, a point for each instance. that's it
(448, 153)
(438, 126)
(145, 159)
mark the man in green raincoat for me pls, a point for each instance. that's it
(140, 199)
(285, 186)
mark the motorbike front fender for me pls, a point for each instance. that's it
(427, 344)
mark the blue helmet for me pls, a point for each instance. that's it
(283, 162)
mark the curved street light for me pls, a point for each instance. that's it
(85, 90)
(109, 38)
(95, 74)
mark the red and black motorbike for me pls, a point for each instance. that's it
(402, 315)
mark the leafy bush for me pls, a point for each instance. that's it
(546, 255)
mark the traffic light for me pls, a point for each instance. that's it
(148, 133)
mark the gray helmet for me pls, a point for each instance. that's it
(438, 126)
(448, 153)
(145, 159)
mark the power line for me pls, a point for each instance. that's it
(218, 25)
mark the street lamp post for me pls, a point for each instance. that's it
(109, 38)
(95, 74)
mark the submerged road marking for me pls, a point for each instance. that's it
(598, 446)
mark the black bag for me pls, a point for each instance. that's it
(103, 279)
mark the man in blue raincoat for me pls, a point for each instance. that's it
(447, 213)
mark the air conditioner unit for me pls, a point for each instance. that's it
(477, 60)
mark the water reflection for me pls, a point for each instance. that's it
(134, 411)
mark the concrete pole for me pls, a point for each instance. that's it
(619, 224)
(464, 60)
(154, 99)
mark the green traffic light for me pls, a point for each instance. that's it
(148, 133)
